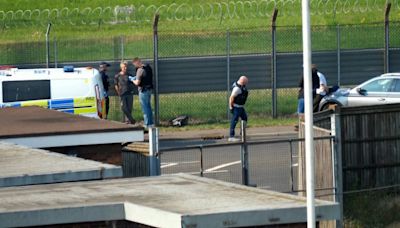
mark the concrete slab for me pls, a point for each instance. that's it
(20, 165)
(43, 128)
(164, 201)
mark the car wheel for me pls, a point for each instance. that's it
(329, 106)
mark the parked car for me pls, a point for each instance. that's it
(384, 89)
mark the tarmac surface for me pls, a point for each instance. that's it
(272, 165)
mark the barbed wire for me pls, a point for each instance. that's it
(139, 14)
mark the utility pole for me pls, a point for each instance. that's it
(308, 100)
(155, 62)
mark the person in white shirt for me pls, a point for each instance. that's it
(322, 90)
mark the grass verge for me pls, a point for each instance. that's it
(372, 209)
(208, 110)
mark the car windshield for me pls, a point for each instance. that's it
(379, 85)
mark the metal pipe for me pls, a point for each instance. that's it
(336, 131)
(48, 45)
(155, 62)
(308, 100)
(291, 165)
(244, 154)
(338, 54)
(240, 143)
(55, 53)
(228, 71)
(273, 65)
(201, 162)
(122, 48)
(154, 152)
(386, 62)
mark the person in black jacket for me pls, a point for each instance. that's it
(103, 67)
(300, 96)
(144, 82)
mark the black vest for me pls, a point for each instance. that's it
(146, 81)
(242, 97)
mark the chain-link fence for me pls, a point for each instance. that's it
(196, 70)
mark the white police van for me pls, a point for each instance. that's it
(77, 91)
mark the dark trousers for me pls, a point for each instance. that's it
(316, 101)
(107, 99)
(236, 113)
(127, 106)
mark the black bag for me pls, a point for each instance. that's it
(180, 121)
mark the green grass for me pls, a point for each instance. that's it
(210, 108)
(172, 44)
(372, 209)
(232, 17)
(254, 121)
(22, 40)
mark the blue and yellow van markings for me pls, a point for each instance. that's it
(79, 105)
(62, 104)
(40, 103)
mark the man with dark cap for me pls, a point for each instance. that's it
(103, 67)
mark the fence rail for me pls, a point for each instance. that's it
(268, 164)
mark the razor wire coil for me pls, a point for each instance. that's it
(138, 14)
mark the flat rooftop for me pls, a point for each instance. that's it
(20, 165)
(163, 201)
(40, 128)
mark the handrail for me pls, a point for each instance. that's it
(204, 146)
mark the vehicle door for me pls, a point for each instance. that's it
(374, 92)
(394, 92)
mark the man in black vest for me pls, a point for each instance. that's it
(237, 101)
(144, 82)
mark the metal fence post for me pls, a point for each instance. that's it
(155, 62)
(337, 164)
(228, 71)
(201, 161)
(122, 48)
(338, 54)
(55, 53)
(48, 45)
(386, 58)
(154, 159)
(273, 65)
(291, 166)
(244, 154)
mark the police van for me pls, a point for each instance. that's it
(71, 90)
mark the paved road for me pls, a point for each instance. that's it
(269, 164)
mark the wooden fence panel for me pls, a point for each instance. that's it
(370, 146)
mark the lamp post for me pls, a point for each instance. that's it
(308, 100)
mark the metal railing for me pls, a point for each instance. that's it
(250, 163)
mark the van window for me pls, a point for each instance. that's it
(26, 90)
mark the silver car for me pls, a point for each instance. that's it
(384, 89)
